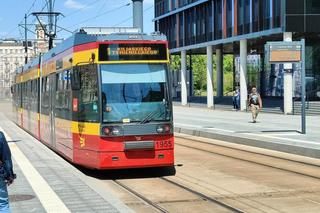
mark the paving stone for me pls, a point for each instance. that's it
(75, 194)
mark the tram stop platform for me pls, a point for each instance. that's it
(272, 131)
(47, 183)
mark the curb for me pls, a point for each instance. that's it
(292, 149)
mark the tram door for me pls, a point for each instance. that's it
(52, 113)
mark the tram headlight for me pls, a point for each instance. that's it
(164, 128)
(116, 131)
(111, 131)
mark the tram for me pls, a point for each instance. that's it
(100, 99)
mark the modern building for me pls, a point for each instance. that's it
(12, 55)
(242, 28)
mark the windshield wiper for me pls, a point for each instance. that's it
(151, 116)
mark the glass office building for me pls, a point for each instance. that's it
(192, 25)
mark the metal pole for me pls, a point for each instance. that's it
(40, 85)
(138, 14)
(190, 77)
(26, 39)
(51, 34)
(210, 99)
(184, 95)
(303, 90)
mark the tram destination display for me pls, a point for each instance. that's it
(133, 52)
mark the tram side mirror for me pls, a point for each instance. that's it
(75, 79)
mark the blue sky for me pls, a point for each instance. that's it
(77, 13)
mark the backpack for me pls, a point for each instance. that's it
(254, 99)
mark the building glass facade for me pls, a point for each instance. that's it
(190, 23)
(215, 19)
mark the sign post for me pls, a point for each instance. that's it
(291, 52)
(303, 88)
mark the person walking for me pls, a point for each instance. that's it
(6, 173)
(255, 103)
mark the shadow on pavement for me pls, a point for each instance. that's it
(128, 173)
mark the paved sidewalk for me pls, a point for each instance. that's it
(273, 131)
(47, 183)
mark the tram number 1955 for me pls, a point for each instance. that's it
(163, 144)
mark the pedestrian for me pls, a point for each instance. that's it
(255, 103)
(6, 173)
(236, 99)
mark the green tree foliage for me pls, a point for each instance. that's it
(175, 63)
(228, 74)
(199, 68)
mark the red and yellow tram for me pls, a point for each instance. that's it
(101, 101)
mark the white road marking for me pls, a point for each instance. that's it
(284, 134)
(187, 125)
(48, 198)
(268, 135)
(223, 130)
(280, 138)
(201, 127)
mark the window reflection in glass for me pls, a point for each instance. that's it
(133, 91)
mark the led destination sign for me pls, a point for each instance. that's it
(132, 52)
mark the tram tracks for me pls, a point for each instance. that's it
(218, 195)
(205, 197)
(142, 197)
(158, 204)
(309, 168)
(276, 161)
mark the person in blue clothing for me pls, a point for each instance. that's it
(6, 173)
(236, 99)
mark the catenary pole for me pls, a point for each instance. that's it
(51, 33)
(25, 39)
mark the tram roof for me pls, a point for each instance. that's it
(82, 38)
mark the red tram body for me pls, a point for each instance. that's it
(101, 101)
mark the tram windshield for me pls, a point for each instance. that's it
(134, 93)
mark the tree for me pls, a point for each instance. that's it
(228, 74)
(175, 63)
(199, 68)
(199, 73)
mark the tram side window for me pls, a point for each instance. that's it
(59, 94)
(19, 104)
(29, 94)
(88, 94)
(34, 95)
(45, 96)
(67, 95)
(37, 93)
(24, 95)
(63, 95)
